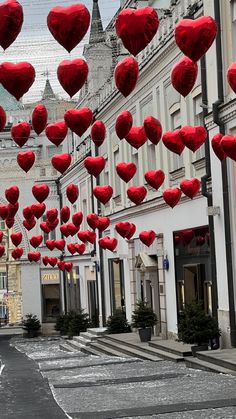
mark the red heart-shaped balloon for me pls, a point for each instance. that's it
(39, 118)
(52, 261)
(29, 224)
(172, 196)
(11, 20)
(126, 75)
(61, 162)
(64, 230)
(217, 148)
(98, 133)
(34, 256)
(50, 244)
(153, 129)
(65, 214)
(12, 194)
(68, 25)
(2, 250)
(12, 209)
(44, 226)
(72, 75)
(136, 194)
(194, 37)
(52, 224)
(71, 248)
(38, 210)
(79, 120)
(173, 141)
(126, 171)
(57, 132)
(95, 165)
(136, 137)
(60, 244)
(147, 237)
(3, 211)
(102, 243)
(124, 124)
(17, 253)
(103, 193)
(123, 228)
(35, 241)
(131, 232)
(1, 235)
(68, 266)
(184, 76)
(193, 137)
(16, 238)
(80, 248)
(28, 213)
(92, 220)
(231, 76)
(136, 28)
(3, 118)
(72, 193)
(17, 78)
(20, 133)
(61, 265)
(77, 219)
(228, 144)
(72, 229)
(87, 236)
(52, 214)
(103, 223)
(40, 192)
(190, 187)
(155, 178)
(187, 236)
(25, 160)
(45, 260)
(109, 243)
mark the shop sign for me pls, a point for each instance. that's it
(50, 277)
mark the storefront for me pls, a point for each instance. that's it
(117, 286)
(51, 294)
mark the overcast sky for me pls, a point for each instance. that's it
(36, 44)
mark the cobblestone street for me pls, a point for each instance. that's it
(107, 387)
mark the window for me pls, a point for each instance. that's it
(3, 280)
(135, 161)
(49, 236)
(85, 212)
(3, 309)
(116, 178)
(2, 225)
(198, 120)
(53, 150)
(177, 162)
(42, 171)
(146, 107)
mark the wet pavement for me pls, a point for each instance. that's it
(108, 387)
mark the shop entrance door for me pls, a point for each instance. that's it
(51, 302)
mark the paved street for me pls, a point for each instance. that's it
(106, 387)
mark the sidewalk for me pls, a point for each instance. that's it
(24, 392)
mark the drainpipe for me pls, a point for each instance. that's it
(225, 184)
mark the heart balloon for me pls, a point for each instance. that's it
(172, 196)
(193, 137)
(28, 213)
(52, 261)
(173, 141)
(136, 194)
(68, 25)
(68, 266)
(187, 236)
(61, 265)
(79, 120)
(3, 211)
(102, 243)
(126, 75)
(64, 230)
(155, 178)
(65, 214)
(194, 37)
(61, 162)
(29, 224)
(126, 171)
(12, 209)
(108, 243)
(190, 187)
(39, 119)
(136, 137)
(16, 238)
(95, 165)
(184, 76)
(1, 235)
(17, 78)
(147, 237)
(2, 250)
(40, 192)
(34, 256)
(80, 248)
(44, 226)
(72, 193)
(87, 236)
(103, 193)
(136, 28)
(3, 116)
(20, 133)
(35, 241)
(12, 194)
(50, 244)
(38, 210)
(131, 232)
(72, 229)
(217, 148)
(71, 248)
(153, 129)
(17, 253)
(98, 133)
(124, 124)
(11, 21)
(103, 223)
(228, 144)
(25, 160)
(92, 221)
(45, 260)
(60, 244)
(72, 75)
(52, 214)
(52, 225)
(123, 228)
(77, 219)
(57, 132)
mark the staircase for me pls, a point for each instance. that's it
(220, 361)
(82, 343)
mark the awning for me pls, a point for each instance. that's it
(145, 261)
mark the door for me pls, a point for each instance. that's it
(117, 286)
(195, 287)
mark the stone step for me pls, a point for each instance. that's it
(76, 346)
(89, 350)
(192, 362)
(83, 341)
(87, 335)
(103, 350)
(97, 331)
(65, 347)
(172, 347)
(224, 363)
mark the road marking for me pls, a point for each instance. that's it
(2, 368)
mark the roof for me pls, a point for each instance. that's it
(8, 102)
(48, 93)
(145, 261)
(97, 33)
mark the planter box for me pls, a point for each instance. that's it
(145, 334)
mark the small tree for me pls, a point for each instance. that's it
(78, 323)
(143, 316)
(195, 326)
(117, 323)
(31, 325)
(63, 322)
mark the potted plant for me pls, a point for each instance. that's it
(144, 319)
(78, 323)
(31, 325)
(117, 323)
(197, 328)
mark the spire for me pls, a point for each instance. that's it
(96, 32)
(48, 93)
